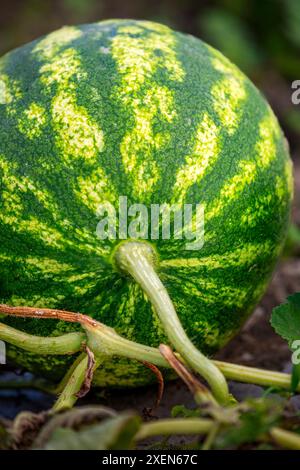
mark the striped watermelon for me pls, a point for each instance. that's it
(132, 108)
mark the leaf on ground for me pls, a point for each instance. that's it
(75, 418)
(180, 411)
(261, 416)
(286, 319)
(116, 433)
(26, 426)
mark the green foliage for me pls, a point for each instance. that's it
(181, 411)
(286, 319)
(260, 416)
(286, 322)
(249, 423)
(116, 433)
(81, 8)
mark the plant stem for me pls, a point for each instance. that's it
(68, 396)
(286, 439)
(173, 426)
(63, 383)
(105, 341)
(211, 437)
(265, 378)
(137, 259)
(69, 343)
(199, 391)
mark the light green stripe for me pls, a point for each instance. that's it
(238, 258)
(228, 93)
(78, 136)
(32, 121)
(137, 61)
(211, 292)
(204, 155)
(50, 45)
(265, 151)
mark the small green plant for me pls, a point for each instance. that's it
(286, 322)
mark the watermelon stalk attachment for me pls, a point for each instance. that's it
(77, 382)
(68, 343)
(138, 259)
(104, 341)
(98, 340)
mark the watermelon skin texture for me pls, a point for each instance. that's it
(121, 107)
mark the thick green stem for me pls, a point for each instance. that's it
(65, 380)
(105, 341)
(193, 426)
(211, 437)
(68, 397)
(265, 378)
(69, 343)
(286, 439)
(199, 391)
(166, 427)
(136, 258)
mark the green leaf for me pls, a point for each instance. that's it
(112, 434)
(180, 411)
(286, 319)
(261, 416)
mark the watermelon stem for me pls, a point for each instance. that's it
(165, 427)
(137, 259)
(68, 396)
(200, 393)
(253, 375)
(105, 341)
(101, 339)
(69, 343)
(204, 426)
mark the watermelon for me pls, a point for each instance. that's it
(124, 108)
